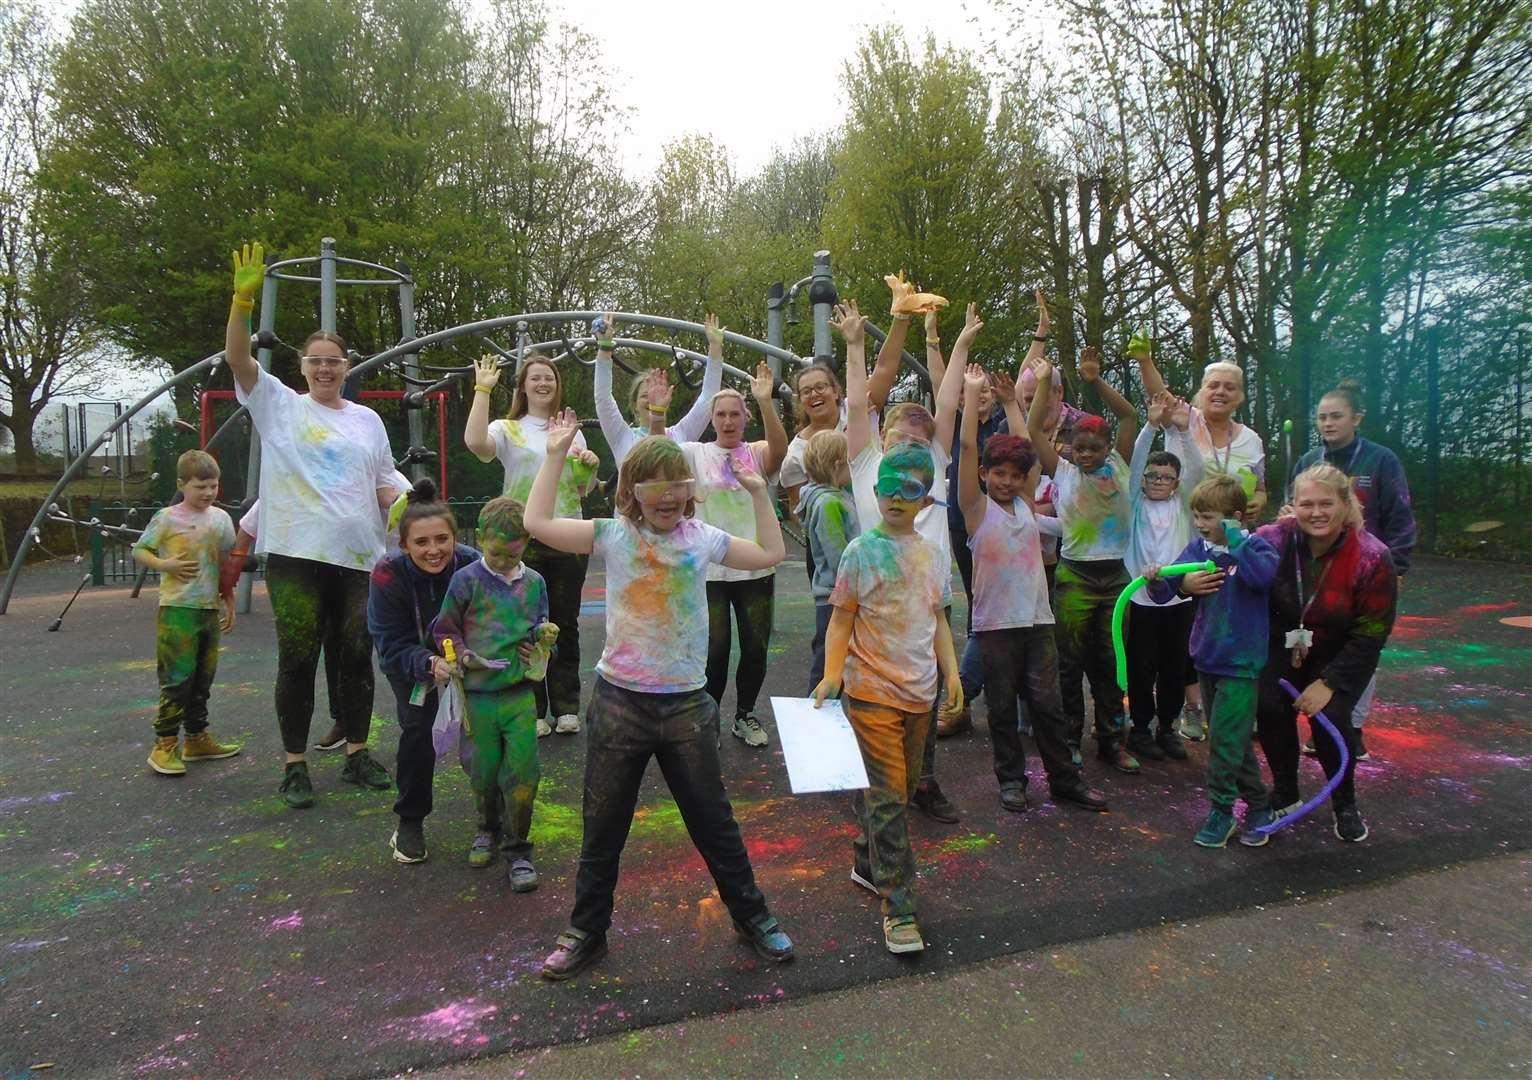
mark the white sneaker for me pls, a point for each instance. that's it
(543, 729)
(568, 724)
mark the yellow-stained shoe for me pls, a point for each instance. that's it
(203, 747)
(165, 758)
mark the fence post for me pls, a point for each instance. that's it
(1433, 431)
(97, 548)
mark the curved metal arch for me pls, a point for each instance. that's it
(78, 464)
(395, 277)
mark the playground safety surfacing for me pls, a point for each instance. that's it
(175, 927)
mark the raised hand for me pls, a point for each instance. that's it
(975, 379)
(1004, 386)
(971, 326)
(847, 322)
(1160, 409)
(1040, 367)
(249, 271)
(933, 325)
(763, 383)
(902, 291)
(1139, 345)
(1090, 363)
(1181, 415)
(604, 327)
(486, 371)
(561, 432)
(1042, 313)
(660, 388)
(744, 471)
(713, 330)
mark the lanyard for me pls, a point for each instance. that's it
(1228, 450)
(1298, 577)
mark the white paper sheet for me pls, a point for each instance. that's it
(819, 745)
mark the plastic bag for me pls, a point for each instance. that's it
(450, 711)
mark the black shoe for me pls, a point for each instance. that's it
(1361, 747)
(361, 770)
(334, 740)
(930, 801)
(574, 952)
(765, 935)
(409, 842)
(1014, 798)
(297, 789)
(1142, 743)
(1349, 825)
(1169, 740)
(1086, 798)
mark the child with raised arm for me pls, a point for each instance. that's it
(650, 698)
(888, 638)
(1012, 620)
(186, 543)
(650, 396)
(1159, 635)
(493, 608)
(1094, 511)
(829, 524)
(1229, 647)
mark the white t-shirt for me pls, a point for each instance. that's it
(721, 502)
(930, 523)
(622, 436)
(1161, 528)
(521, 445)
(1244, 457)
(656, 603)
(1094, 509)
(179, 532)
(1009, 587)
(321, 469)
(792, 473)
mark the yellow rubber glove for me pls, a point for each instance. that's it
(249, 272)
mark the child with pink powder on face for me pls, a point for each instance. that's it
(650, 698)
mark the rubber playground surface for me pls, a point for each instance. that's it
(151, 926)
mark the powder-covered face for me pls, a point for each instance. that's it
(1006, 483)
(430, 543)
(1336, 422)
(501, 555)
(1320, 512)
(1160, 482)
(541, 387)
(899, 514)
(663, 502)
(820, 401)
(324, 367)
(199, 493)
(1090, 451)
(729, 420)
(1222, 393)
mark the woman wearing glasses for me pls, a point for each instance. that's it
(327, 477)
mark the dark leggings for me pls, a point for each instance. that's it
(319, 605)
(564, 575)
(1276, 724)
(753, 602)
(1158, 644)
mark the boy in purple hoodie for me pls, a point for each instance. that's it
(1228, 645)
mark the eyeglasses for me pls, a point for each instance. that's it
(908, 488)
(1160, 478)
(326, 361)
(813, 388)
(652, 491)
(899, 435)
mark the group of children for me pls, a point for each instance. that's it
(880, 567)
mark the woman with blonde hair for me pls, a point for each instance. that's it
(1332, 609)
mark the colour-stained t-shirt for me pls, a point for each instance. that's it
(178, 532)
(829, 524)
(321, 469)
(1094, 509)
(1010, 589)
(1161, 527)
(721, 501)
(930, 523)
(1244, 458)
(1044, 508)
(898, 587)
(656, 603)
(490, 615)
(521, 445)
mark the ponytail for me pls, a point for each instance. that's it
(421, 502)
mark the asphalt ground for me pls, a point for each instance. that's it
(195, 926)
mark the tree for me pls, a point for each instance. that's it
(47, 343)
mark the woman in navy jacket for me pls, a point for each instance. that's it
(405, 596)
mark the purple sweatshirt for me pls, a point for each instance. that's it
(1229, 634)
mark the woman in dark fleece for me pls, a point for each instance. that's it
(404, 597)
(1332, 609)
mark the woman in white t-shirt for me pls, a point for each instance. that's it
(519, 443)
(327, 478)
(820, 407)
(726, 504)
(649, 398)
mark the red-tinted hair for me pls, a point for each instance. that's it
(1090, 424)
(1009, 450)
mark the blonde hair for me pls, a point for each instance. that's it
(729, 391)
(910, 412)
(1326, 475)
(196, 465)
(654, 457)
(519, 394)
(826, 451)
(1221, 367)
(1221, 494)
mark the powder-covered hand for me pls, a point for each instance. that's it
(249, 271)
(561, 432)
